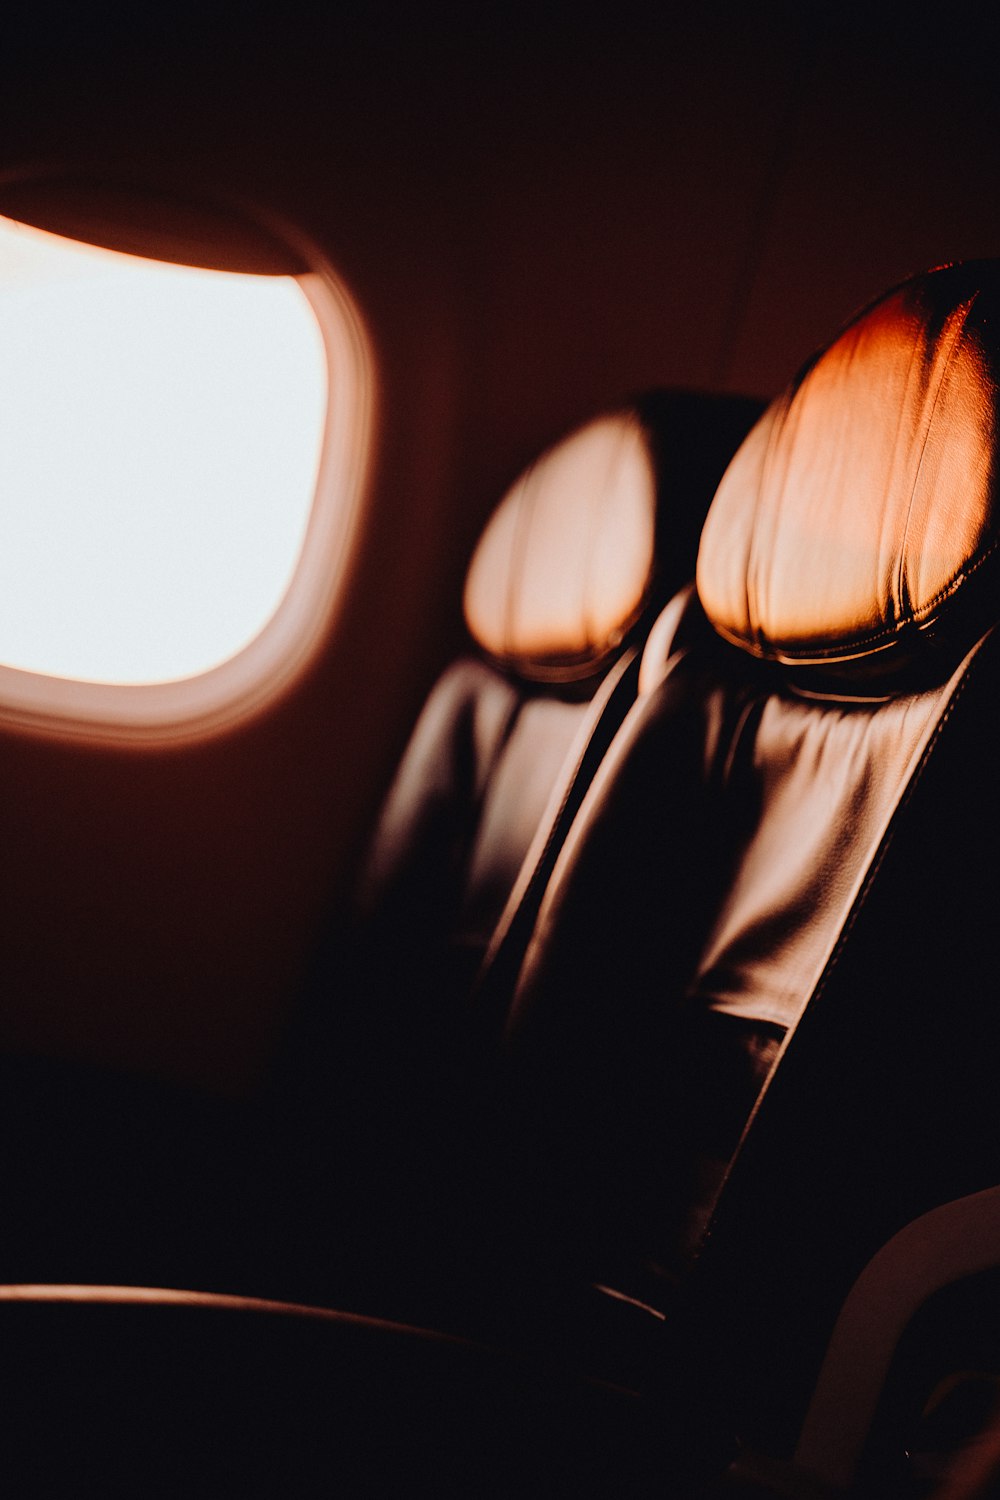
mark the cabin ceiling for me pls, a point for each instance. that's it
(647, 192)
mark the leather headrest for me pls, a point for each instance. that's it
(563, 568)
(857, 526)
(600, 532)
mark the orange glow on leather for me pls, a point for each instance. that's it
(564, 566)
(847, 523)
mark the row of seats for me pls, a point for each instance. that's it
(658, 1057)
(747, 1032)
(575, 566)
(577, 563)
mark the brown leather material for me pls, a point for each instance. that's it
(812, 788)
(884, 1103)
(593, 1039)
(424, 967)
(429, 821)
(465, 805)
(861, 514)
(599, 533)
(766, 854)
(495, 761)
(661, 643)
(697, 900)
(511, 931)
(564, 566)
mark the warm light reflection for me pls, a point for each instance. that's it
(160, 432)
(832, 527)
(561, 570)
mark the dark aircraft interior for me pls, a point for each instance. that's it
(515, 1015)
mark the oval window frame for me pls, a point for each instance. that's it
(230, 693)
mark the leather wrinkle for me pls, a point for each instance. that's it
(484, 769)
(614, 461)
(776, 431)
(927, 367)
(779, 459)
(959, 316)
(576, 974)
(916, 1085)
(899, 452)
(530, 485)
(566, 1028)
(519, 792)
(748, 717)
(598, 821)
(648, 725)
(745, 1149)
(887, 839)
(818, 655)
(439, 788)
(524, 899)
(657, 1009)
(593, 522)
(826, 768)
(485, 765)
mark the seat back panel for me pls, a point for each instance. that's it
(812, 787)
(885, 1102)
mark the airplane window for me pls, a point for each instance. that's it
(162, 431)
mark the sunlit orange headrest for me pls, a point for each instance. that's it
(856, 528)
(603, 527)
(563, 568)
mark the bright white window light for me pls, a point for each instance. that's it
(160, 436)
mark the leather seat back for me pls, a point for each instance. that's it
(574, 566)
(571, 571)
(771, 909)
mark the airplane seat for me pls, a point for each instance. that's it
(753, 1037)
(753, 1042)
(575, 564)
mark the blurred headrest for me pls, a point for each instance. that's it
(856, 529)
(601, 526)
(562, 569)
